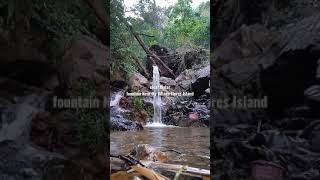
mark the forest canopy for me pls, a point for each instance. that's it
(178, 25)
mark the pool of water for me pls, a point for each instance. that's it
(193, 143)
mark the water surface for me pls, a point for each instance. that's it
(193, 143)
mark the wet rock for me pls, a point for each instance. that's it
(122, 124)
(137, 81)
(186, 78)
(167, 81)
(188, 113)
(247, 42)
(57, 132)
(16, 117)
(202, 82)
(24, 162)
(313, 93)
(140, 116)
(117, 79)
(196, 80)
(240, 71)
(149, 153)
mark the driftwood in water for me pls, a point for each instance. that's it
(190, 171)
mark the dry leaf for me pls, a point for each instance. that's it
(206, 178)
(120, 175)
(124, 175)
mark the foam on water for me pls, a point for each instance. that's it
(158, 125)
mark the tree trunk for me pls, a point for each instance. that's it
(136, 60)
(159, 62)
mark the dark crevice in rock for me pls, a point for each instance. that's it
(285, 81)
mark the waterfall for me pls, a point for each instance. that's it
(156, 96)
(157, 121)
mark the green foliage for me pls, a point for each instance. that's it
(68, 20)
(173, 27)
(186, 25)
(137, 102)
(92, 123)
(150, 110)
(92, 131)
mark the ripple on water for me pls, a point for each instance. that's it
(193, 143)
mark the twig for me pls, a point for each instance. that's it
(146, 35)
(128, 159)
(167, 150)
(259, 126)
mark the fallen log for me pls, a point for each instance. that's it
(148, 52)
(189, 171)
(152, 54)
(136, 60)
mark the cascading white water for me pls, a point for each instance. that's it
(156, 96)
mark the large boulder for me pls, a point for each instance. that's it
(186, 78)
(202, 82)
(122, 124)
(84, 59)
(247, 42)
(196, 80)
(240, 71)
(138, 81)
(57, 132)
(168, 81)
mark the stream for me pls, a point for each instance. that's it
(193, 143)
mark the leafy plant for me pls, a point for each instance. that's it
(172, 27)
(137, 102)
